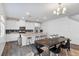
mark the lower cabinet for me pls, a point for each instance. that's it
(26, 40)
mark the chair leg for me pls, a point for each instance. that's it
(38, 53)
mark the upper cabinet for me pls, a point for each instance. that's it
(30, 25)
(13, 24)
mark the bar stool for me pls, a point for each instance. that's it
(32, 39)
(40, 37)
(29, 38)
(37, 38)
(20, 40)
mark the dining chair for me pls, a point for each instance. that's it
(45, 51)
(68, 45)
(65, 48)
(39, 51)
(56, 50)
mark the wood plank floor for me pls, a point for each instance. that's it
(12, 49)
(16, 50)
(74, 52)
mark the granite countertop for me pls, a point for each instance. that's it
(32, 34)
(27, 34)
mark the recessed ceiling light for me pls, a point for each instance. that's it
(27, 13)
(54, 12)
(58, 13)
(37, 25)
(23, 17)
(2, 18)
(64, 9)
(58, 9)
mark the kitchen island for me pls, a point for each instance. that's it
(27, 38)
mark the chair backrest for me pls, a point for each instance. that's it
(67, 43)
(45, 51)
(63, 45)
(39, 50)
(29, 37)
(45, 48)
(58, 50)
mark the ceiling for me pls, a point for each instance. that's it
(38, 12)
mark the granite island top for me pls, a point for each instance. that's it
(27, 34)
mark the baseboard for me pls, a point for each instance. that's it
(75, 46)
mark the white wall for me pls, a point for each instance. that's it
(63, 26)
(2, 38)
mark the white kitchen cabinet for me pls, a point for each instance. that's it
(12, 37)
(33, 40)
(26, 41)
(14, 24)
(29, 25)
(30, 39)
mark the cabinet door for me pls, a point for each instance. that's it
(23, 41)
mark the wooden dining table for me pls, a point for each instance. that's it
(50, 41)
